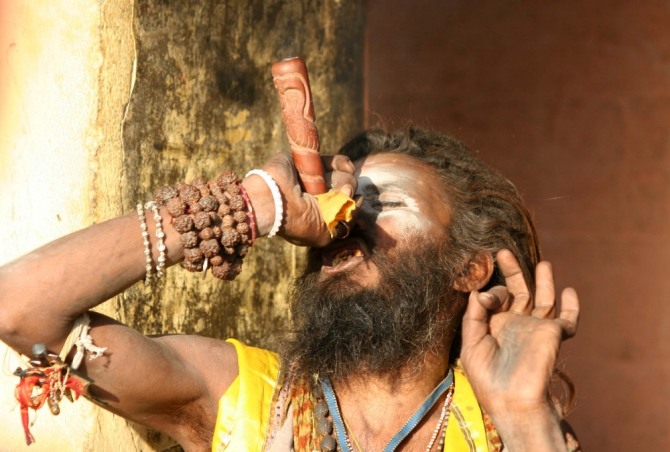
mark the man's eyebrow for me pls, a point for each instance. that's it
(367, 186)
(389, 186)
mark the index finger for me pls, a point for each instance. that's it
(475, 321)
(515, 282)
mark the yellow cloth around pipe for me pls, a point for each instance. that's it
(335, 206)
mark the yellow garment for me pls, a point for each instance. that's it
(335, 206)
(465, 430)
(244, 409)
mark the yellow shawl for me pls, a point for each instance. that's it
(244, 410)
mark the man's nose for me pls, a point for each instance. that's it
(365, 216)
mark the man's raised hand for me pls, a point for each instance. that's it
(303, 223)
(511, 341)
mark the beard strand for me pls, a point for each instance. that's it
(342, 330)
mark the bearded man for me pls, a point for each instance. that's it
(431, 326)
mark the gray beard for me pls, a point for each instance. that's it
(341, 330)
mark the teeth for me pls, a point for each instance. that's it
(345, 255)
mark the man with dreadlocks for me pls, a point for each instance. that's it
(431, 325)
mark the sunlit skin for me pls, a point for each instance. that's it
(402, 201)
(510, 336)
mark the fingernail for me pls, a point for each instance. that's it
(485, 296)
(347, 190)
(342, 230)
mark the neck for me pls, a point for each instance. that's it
(377, 407)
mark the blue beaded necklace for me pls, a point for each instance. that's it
(399, 437)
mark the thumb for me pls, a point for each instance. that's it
(475, 320)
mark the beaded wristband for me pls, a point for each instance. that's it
(276, 197)
(160, 236)
(147, 243)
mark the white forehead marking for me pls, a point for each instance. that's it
(394, 182)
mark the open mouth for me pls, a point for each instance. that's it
(344, 255)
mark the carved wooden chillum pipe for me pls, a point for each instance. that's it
(295, 98)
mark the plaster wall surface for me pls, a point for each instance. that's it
(49, 102)
(571, 100)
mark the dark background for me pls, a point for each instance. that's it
(571, 100)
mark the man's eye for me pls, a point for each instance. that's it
(386, 204)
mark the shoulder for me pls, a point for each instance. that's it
(219, 362)
(213, 361)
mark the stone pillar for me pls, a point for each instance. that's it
(105, 101)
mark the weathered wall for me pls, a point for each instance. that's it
(571, 100)
(50, 72)
(108, 100)
(203, 77)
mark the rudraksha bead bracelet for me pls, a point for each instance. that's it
(215, 221)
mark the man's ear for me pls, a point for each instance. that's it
(476, 274)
